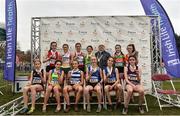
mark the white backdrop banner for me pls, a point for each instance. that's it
(107, 30)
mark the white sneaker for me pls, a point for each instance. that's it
(99, 108)
(141, 110)
(88, 108)
(125, 111)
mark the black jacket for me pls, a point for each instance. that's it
(102, 58)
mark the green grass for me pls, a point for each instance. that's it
(133, 110)
(2, 81)
(167, 85)
(6, 90)
(8, 95)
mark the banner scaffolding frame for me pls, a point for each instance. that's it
(155, 42)
(35, 39)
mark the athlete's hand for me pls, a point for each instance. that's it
(134, 86)
(111, 87)
(40, 74)
(137, 72)
(108, 75)
(58, 73)
(53, 57)
(99, 84)
(28, 84)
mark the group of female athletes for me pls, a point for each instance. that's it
(67, 71)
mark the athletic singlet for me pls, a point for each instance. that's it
(95, 75)
(112, 78)
(66, 58)
(119, 60)
(36, 79)
(54, 77)
(80, 58)
(75, 77)
(54, 54)
(88, 59)
(132, 76)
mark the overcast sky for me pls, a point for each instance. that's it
(37, 8)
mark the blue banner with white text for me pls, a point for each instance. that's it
(170, 54)
(11, 33)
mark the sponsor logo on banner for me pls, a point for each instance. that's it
(119, 32)
(131, 33)
(131, 40)
(131, 24)
(46, 34)
(71, 48)
(143, 40)
(59, 40)
(142, 34)
(82, 24)
(45, 24)
(94, 40)
(95, 32)
(82, 41)
(58, 32)
(143, 56)
(145, 83)
(83, 32)
(58, 24)
(70, 41)
(118, 23)
(95, 23)
(144, 74)
(144, 49)
(11, 38)
(70, 33)
(107, 32)
(119, 40)
(142, 24)
(174, 62)
(107, 23)
(144, 66)
(70, 24)
(95, 49)
(46, 41)
(107, 42)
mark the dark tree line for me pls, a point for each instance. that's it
(178, 42)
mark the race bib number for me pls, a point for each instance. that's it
(36, 80)
(133, 77)
(93, 79)
(54, 81)
(111, 80)
(65, 59)
(74, 81)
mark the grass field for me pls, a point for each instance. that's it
(6, 90)
(133, 110)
